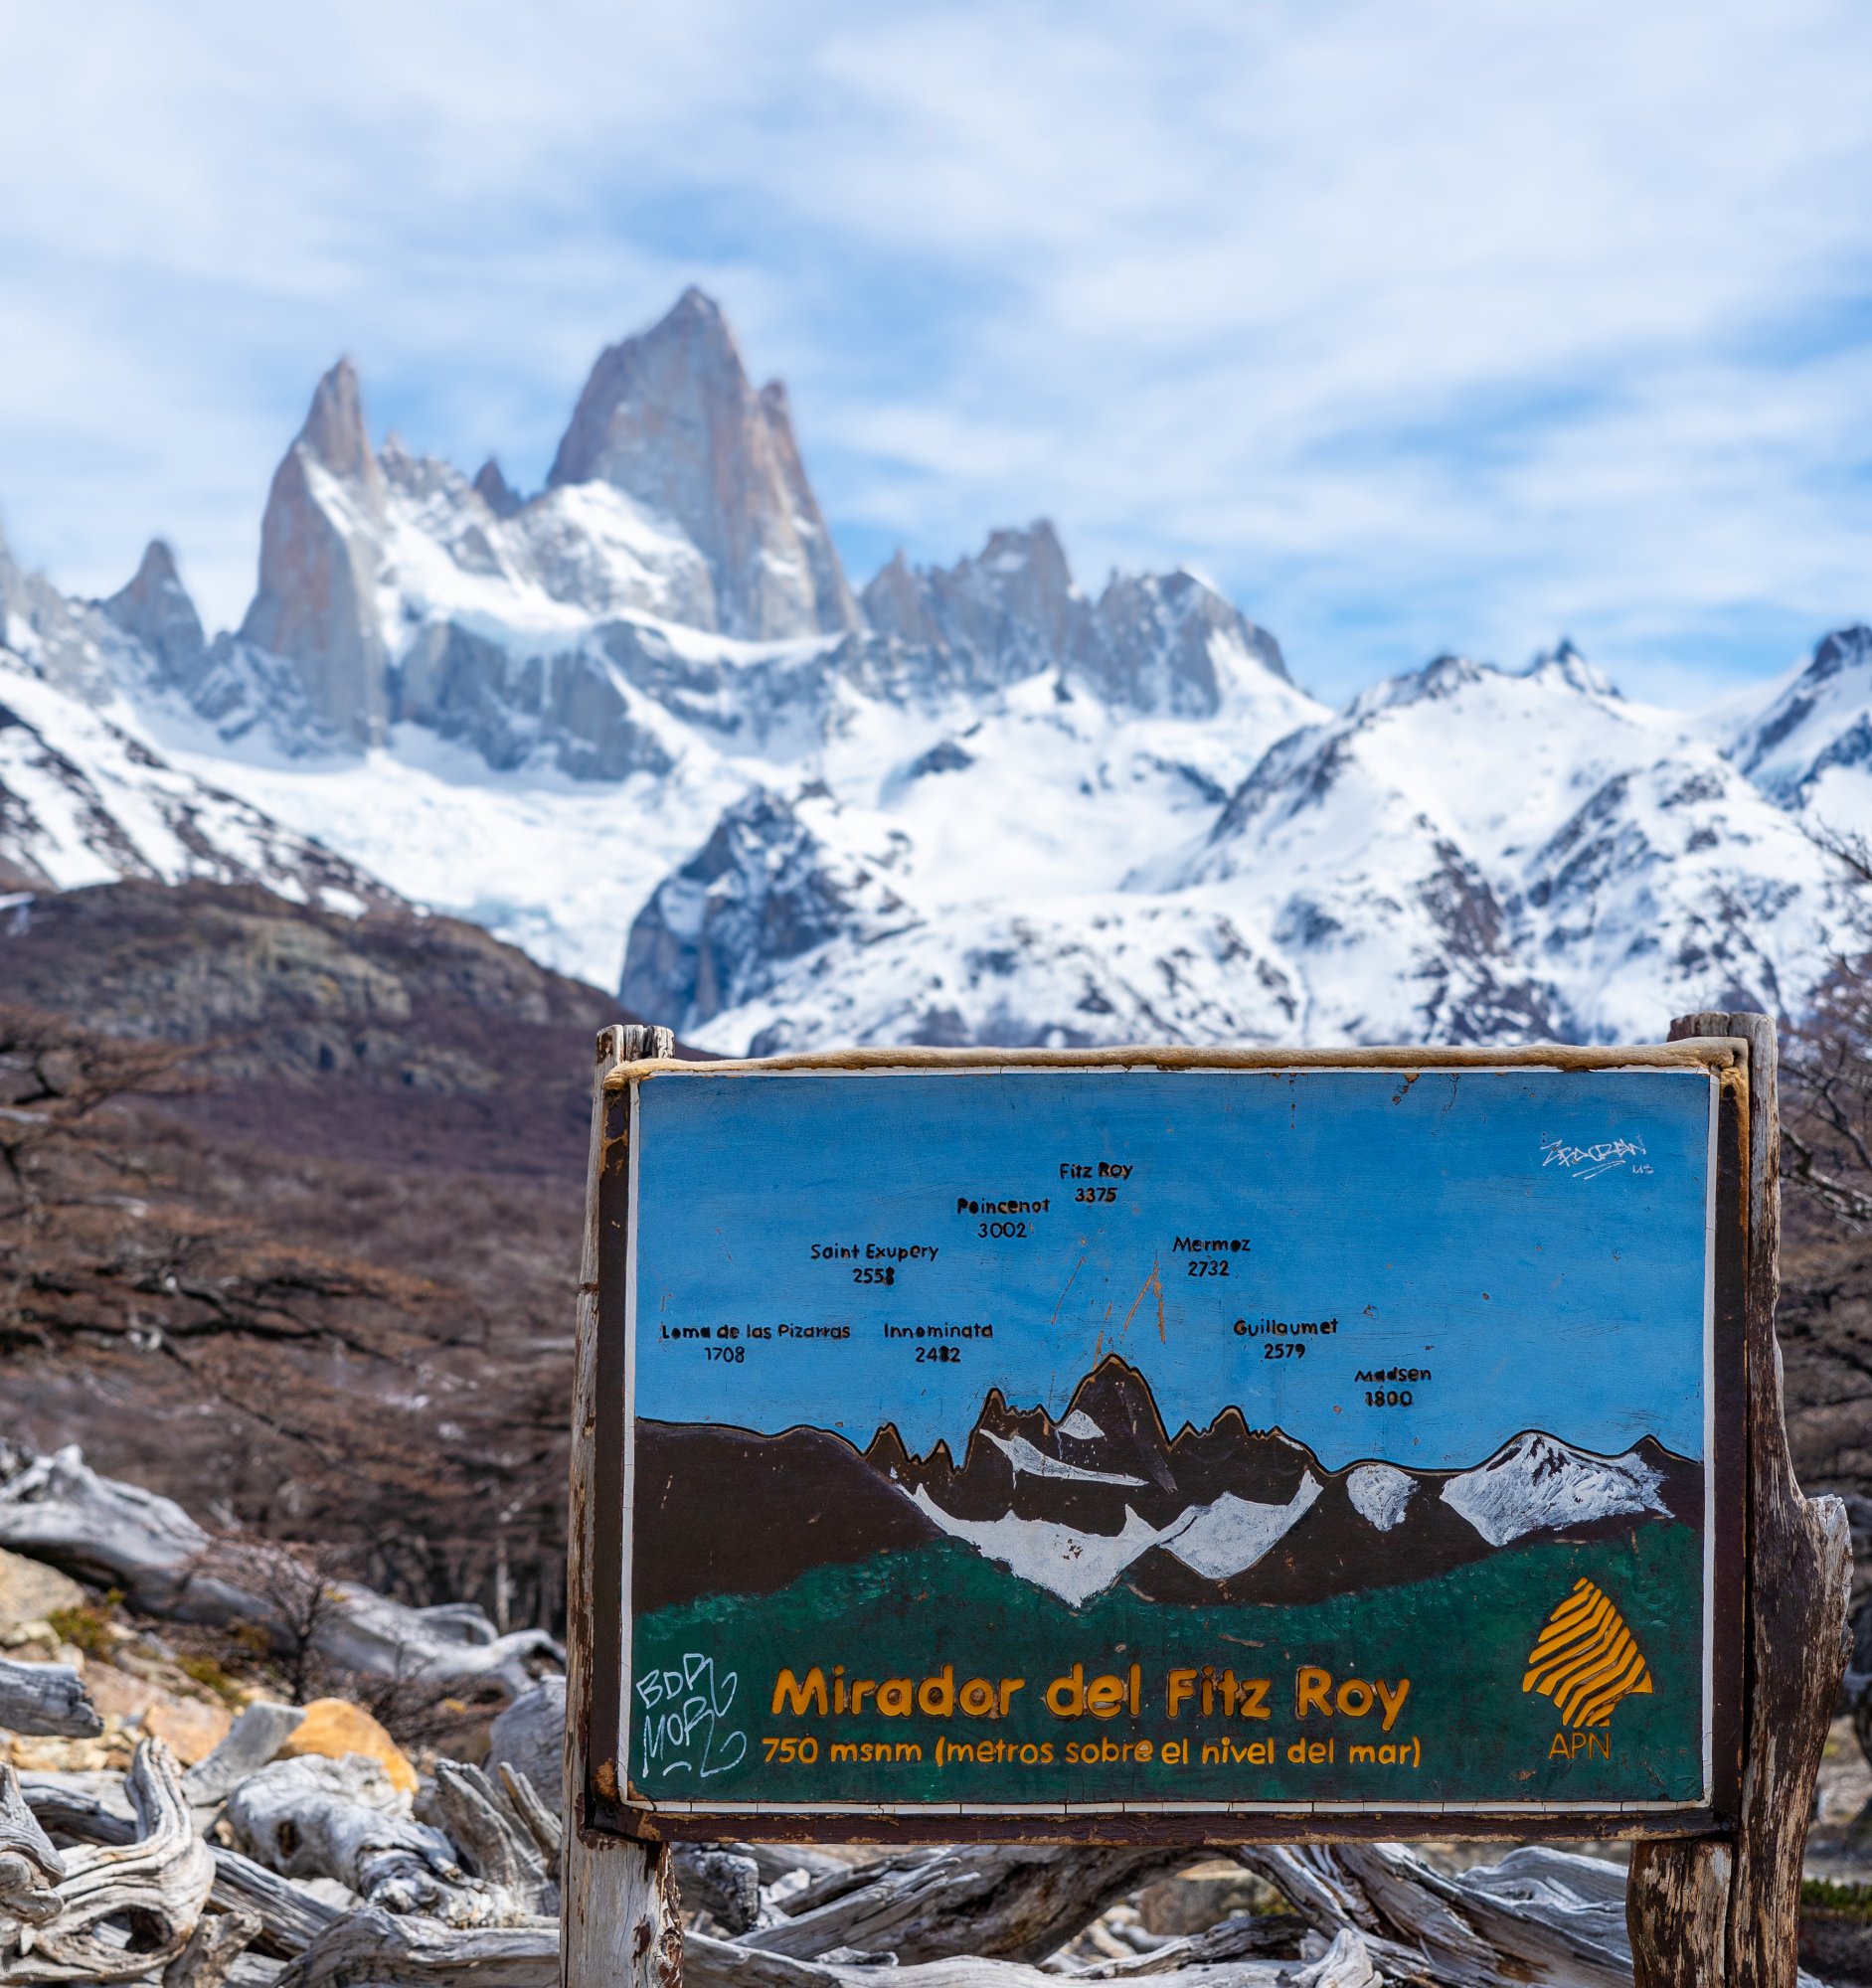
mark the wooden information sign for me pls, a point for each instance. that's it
(1170, 1448)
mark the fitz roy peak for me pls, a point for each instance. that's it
(672, 419)
(640, 722)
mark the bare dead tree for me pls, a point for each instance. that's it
(1826, 1061)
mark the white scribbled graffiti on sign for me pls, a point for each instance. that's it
(1588, 1162)
(684, 1711)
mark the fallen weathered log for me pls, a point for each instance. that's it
(343, 1819)
(546, 1829)
(290, 1917)
(70, 1812)
(218, 1942)
(775, 1861)
(1346, 1963)
(839, 1879)
(56, 1508)
(1250, 1936)
(720, 1881)
(530, 1737)
(124, 1910)
(387, 1952)
(252, 1742)
(732, 1963)
(30, 1868)
(1538, 1916)
(1013, 1901)
(46, 1700)
(496, 1841)
(453, 1648)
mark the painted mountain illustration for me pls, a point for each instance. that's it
(1105, 1494)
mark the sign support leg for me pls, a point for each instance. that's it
(1728, 1915)
(620, 1926)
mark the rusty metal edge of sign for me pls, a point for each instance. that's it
(607, 1808)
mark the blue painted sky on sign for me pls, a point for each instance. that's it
(1535, 1238)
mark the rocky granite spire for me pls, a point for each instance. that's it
(320, 555)
(670, 418)
(334, 434)
(490, 483)
(1011, 610)
(156, 609)
(1166, 642)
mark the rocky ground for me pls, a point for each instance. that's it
(154, 1679)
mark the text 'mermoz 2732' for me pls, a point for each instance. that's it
(1043, 1441)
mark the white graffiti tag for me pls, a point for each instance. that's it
(1588, 1162)
(683, 1715)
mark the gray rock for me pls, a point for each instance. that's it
(992, 619)
(494, 490)
(1160, 643)
(321, 557)
(463, 686)
(764, 890)
(30, 1591)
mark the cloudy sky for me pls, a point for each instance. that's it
(1416, 327)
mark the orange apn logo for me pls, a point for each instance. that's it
(1586, 1659)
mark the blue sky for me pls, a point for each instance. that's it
(1414, 327)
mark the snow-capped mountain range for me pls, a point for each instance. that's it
(641, 723)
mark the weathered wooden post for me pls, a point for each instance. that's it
(618, 1922)
(1724, 1912)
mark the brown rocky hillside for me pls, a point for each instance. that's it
(293, 1238)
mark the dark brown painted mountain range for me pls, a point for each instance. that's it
(777, 1506)
(780, 1505)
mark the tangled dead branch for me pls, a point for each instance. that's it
(124, 1910)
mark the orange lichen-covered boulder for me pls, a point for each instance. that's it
(334, 1727)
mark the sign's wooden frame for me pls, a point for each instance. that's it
(1719, 1885)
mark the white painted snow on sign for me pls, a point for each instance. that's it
(1031, 1462)
(1537, 1483)
(1228, 1536)
(1073, 1565)
(1378, 1492)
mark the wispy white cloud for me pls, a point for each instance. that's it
(1414, 325)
